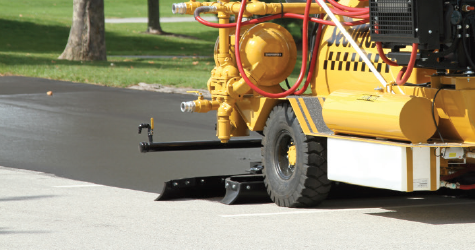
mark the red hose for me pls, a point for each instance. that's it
(304, 54)
(347, 8)
(383, 56)
(405, 72)
(354, 13)
(312, 63)
(467, 187)
(277, 16)
(292, 90)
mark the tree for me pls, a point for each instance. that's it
(154, 21)
(87, 36)
(154, 18)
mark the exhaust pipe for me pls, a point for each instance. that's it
(145, 147)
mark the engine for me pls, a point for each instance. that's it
(444, 30)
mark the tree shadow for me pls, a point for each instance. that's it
(23, 198)
(4, 230)
(113, 63)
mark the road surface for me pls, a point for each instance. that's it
(92, 189)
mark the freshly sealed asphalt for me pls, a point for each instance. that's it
(89, 133)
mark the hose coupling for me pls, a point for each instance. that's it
(203, 9)
(179, 8)
(188, 107)
(450, 185)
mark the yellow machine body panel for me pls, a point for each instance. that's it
(455, 107)
(255, 110)
(340, 67)
(398, 117)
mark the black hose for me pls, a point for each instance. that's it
(433, 115)
(465, 46)
(287, 83)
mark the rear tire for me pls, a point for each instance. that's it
(304, 184)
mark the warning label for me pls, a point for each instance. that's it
(421, 183)
(273, 54)
(368, 98)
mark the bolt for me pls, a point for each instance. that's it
(378, 88)
(227, 185)
(234, 186)
(467, 35)
(417, 29)
(187, 182)
(459, 26)
(430, 31)
(202, 181)
(175, 184)
(459, 36)
(467, 26)
(248, 187)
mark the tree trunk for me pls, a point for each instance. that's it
(87, 37)
(154, 18)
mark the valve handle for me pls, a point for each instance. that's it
(149, 127)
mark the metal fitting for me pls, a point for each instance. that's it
(450, 185)
(179, 8)
(188, 107)
(203, 9)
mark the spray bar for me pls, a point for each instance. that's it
(145, 147)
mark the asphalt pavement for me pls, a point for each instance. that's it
(89, 133)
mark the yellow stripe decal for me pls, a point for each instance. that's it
(307, 114)
(433, 169)
(410, 170)
(320, 99)
(299, 115)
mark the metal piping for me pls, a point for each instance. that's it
(203, 9)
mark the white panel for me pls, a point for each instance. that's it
(421, 165)
(367, 164)
(437, 152)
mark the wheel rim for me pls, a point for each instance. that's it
(284, 169)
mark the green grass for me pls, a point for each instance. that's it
(34, 34)
(62, 10)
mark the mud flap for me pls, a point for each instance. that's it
(236, 189)
(196, 187)
(245, 189)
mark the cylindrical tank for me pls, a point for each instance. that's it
(390, 116)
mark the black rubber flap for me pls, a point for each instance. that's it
(245, 189)
(195, 187)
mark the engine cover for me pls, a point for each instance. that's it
(268, 52)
